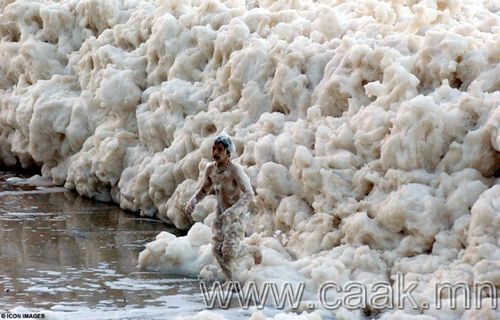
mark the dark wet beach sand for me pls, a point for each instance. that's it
(63, 252)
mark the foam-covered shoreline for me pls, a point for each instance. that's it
(370, 130)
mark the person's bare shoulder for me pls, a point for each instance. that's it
(210, 167)
(236, 169)
(240, 176)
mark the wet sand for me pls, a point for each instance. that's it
(62, 252)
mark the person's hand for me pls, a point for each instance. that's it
(190, 206)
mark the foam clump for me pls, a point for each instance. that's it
(370, 130)
(179, 255)
(257, 315)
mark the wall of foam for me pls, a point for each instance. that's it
(370, 129)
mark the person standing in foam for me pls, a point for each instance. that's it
(234, 192)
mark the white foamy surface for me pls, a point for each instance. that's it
(369, 129)
(35, 180)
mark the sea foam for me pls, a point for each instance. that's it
(369, 129)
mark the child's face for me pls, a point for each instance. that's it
(218, 152)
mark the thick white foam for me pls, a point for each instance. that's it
(370, 130)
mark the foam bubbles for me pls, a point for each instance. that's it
(369, 130)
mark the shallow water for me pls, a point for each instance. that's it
(62, 252)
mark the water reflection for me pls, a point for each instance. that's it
(63, 252)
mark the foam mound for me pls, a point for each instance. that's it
(370, 129)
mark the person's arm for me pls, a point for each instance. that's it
(201, 192)
(243, 182)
